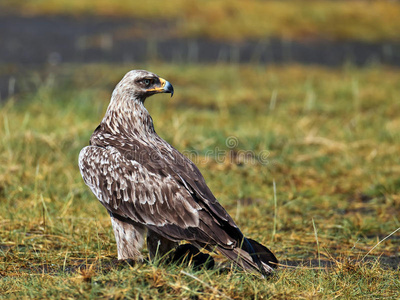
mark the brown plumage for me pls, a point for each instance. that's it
(145, 183)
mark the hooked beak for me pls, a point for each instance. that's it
(165, 87)
(168, 88)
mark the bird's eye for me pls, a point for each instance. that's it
(147, 82)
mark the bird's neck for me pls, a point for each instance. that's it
(128, 117)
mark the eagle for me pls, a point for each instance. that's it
(147, 185)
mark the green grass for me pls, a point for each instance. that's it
(329, 138)
(237, 20)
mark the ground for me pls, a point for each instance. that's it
(327, 139)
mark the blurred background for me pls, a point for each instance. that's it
(301, 97)
(330, 33)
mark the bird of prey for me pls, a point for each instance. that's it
(146, 184)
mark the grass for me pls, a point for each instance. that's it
(327, 138)
(371, 21)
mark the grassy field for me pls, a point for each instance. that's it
(328, 138)
(373, 21)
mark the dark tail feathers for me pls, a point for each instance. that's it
(264, 254)
(252, 256)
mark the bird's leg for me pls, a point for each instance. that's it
(157, 245)
(129, 237)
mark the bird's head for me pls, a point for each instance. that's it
(142, 84)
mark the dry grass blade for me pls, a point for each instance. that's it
(381, 241)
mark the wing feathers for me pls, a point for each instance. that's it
(154, 199)
(143, 200)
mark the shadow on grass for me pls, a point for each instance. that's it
(386, 262)
(89, 267)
